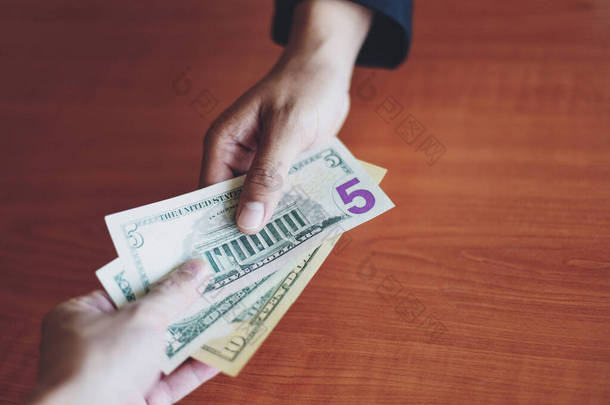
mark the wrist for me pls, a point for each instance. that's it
(326, 34)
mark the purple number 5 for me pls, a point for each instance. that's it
(348, 197)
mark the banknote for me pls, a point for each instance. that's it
(254, 323)
(232, 329)
(204, 321)
(326, 193)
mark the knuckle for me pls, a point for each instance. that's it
(59, 315)
(287, 107)
(266, 176)
(212, 135)
(215, 129)
(290, 113)
(218, 128)
(167, 284)
(62, 309)
(51, 317)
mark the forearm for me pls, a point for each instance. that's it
(328, 33)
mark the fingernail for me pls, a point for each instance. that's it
(251, 216)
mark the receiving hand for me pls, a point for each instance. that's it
(93, 354)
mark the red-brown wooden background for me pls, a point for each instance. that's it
(505, 241)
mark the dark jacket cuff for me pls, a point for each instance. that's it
(388, 40)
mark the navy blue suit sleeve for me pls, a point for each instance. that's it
(387, 42)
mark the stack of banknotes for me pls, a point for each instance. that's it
(255, 277)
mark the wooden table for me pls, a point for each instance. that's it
(490, 281)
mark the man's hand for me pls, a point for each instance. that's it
(93, 354)
(300, 103)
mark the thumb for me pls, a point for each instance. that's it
(263, 185)
(176, 292)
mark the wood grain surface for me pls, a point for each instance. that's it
(490, 281)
